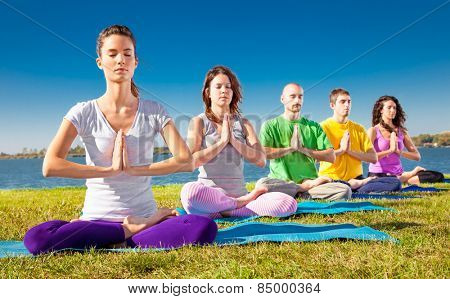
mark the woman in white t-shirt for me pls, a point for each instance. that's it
(118, 130)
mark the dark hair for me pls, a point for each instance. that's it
(337, 92)
(400, 115)
(118, 30)
(235, 86)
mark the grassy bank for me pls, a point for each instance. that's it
(421, 226)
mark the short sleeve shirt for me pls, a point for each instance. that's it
(345, 166)
(296, 167)
(114, 198)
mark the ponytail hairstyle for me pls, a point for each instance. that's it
(400, 115)
(235, 86)
(118, 30)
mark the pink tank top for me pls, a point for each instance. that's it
(390, 164)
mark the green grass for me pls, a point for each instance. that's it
(421, 226)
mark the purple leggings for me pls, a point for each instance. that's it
(172, 233)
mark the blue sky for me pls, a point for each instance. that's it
(266, 43)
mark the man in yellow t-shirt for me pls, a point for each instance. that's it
(350, 142)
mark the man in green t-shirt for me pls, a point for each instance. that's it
(293, 144)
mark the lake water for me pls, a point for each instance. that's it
(26, 173)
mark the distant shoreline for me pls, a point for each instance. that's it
(3, 156)
(22, 156)
(37, 156)
(425, 146)
(440, 140)
(18, 157)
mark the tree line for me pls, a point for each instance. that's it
(428, 140)
(78, 151)
(441, 139)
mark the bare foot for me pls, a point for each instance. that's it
(309, 184)
(135, 224)
(419, 168)
(366, 180)
(355, 184)
(244, 200)
(325, 179)
(160, 215)
(135, 220)
(258, 191)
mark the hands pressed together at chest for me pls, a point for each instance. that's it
(120, 161)
(393, 148)
(297, 142)
(358, 152)
(226, 133)
(250, 149)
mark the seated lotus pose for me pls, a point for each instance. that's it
(220, 139)
(390, 138)
(293, 144)
(352, 146)
(118, 131)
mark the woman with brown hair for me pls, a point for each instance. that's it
(220, 139)
(118, 131)
(390, 137)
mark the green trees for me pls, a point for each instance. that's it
(441, 139)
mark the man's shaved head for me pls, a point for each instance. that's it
(292, 97)
(290, 86)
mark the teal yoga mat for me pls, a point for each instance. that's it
(293, 232)
(357, 195)
(252, 232)
(312, 207)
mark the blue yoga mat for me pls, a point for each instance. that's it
(252, 232)
(397, 195)
(312, 207)
(415, 188)
(446, 180)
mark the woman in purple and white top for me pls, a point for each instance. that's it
(220, 139)
(118, 131)
(392, 141)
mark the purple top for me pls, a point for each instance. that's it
(390, 164)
